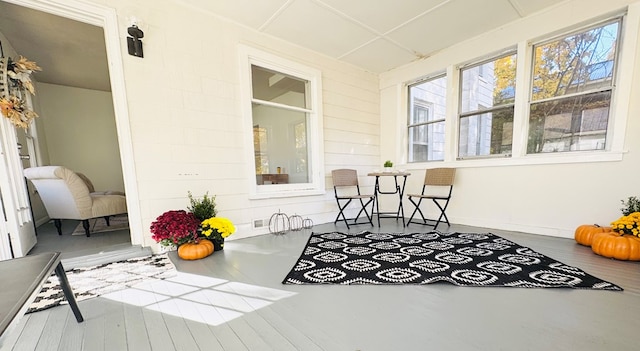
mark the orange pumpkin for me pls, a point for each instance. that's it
(585, 233)
(195, 251)
(619, 246)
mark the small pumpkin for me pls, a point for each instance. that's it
(585, 233)
(195, 251)
(619, 246)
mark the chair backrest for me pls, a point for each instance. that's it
(86, 181)
(344, 177)
(63, 193)
(439, 176)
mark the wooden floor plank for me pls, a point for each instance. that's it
(27, 341)
(73, 335)
(137, 337)
(52, 330)
(114, 327)
(94, 323)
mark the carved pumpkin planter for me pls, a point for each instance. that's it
(619, 246)
(585, 233)
(195, 251)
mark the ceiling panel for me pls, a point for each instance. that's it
(527, 7)
(453, 23)
(307, 24)
(379, 56)
(384, 15)
(253, 13)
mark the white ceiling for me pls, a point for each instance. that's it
(376, 35)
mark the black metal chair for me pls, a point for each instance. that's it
(435, 178)
(347, 189)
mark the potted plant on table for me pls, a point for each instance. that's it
(179, 228)
(388, 165)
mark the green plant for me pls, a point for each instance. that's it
(202, 208)
(388, 163)
(630, 206)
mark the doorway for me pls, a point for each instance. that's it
(89, 158)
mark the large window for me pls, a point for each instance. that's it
(284, 129)
(487, 92)
(427, 102)
(280, 118)
(571, 90)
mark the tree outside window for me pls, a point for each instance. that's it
(487, 92)
(571, 90)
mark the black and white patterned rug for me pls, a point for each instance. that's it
(90, 282)
(463, 259)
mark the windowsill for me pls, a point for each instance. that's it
(285, 193)
(537, 159)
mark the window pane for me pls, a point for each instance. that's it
(277, 87)
(427, 95)
(486, 133)
(280, 145)
(426, 142)
(575, 63)
(489, 84)
(427, 108)
(571, 124)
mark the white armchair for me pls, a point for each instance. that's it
(66, 196)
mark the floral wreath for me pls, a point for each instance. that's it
(17, 74)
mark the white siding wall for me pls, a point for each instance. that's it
(551, 198)
(186, 121)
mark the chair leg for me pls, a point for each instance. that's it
(442, 213)
(417, 209)
(85, 225)
(364, 208)
(341, 213)
(106, 219)
(58, 224)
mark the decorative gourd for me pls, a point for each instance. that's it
(307, 223)
(195, 251)
(278, 223)
(295, 222)
(585, 233)
(619, 246)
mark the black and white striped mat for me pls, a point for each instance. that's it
(89, 282)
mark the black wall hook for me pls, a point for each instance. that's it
(133, 41)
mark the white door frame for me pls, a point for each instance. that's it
(106, 18)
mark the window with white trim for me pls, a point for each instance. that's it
(285, 135)
(487, 95)
(571, 89)
(427, 110)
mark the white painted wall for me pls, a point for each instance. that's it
(80, 130)
(550, 194)
(186, 123)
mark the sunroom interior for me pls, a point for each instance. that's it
(256, 103)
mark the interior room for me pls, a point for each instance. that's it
(256, 104)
